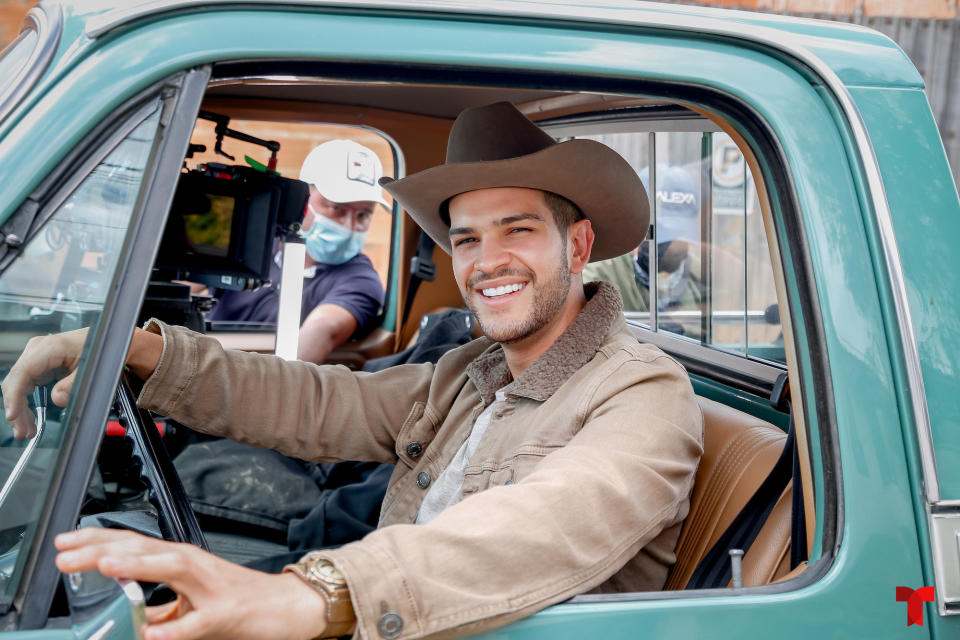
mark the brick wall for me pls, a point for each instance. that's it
(11, 16)
(941, 9)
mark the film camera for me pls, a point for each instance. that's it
(222, 230)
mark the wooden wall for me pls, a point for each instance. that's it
(11, 15)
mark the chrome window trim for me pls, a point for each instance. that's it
(768, 38)
(619, 14)
(49, 27)
(678, 125)
(944, 527)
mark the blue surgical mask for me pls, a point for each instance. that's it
(330, 242)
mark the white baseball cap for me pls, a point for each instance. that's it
(344, 171)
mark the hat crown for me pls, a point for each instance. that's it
(343, 170)
(496, 146)
(494, 132)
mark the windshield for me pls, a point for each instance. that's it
(60, 282)
(14, 58)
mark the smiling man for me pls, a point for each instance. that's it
(554, 456)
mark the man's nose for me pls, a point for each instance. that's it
(492, 257)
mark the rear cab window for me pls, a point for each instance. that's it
(703, 276)
(295, 140)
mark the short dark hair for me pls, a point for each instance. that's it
(565, 213)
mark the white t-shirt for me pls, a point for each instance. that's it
(445, 491)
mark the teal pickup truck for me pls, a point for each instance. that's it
(820, 280)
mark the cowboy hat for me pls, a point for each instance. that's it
(497, 146)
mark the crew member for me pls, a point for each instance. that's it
(341, 290)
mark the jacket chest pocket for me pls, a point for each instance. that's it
(416, 433)
(478, 477)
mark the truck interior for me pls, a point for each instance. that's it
(736, 341)
(746, 321)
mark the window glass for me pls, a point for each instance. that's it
(745, 310)
(728, 244)
(628, 272)
(58, 283)
(678, 200)
(764, 331)
(704, 272)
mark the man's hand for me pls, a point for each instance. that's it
(215, 598)
(45, 358)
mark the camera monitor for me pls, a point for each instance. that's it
(224, 223)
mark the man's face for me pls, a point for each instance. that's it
(511, 262)
(353, 215)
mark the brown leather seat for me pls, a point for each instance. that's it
(738, 453)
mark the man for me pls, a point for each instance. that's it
(552, 457)
(678, 261)
(341, 290)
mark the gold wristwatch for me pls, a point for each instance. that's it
(327, 579)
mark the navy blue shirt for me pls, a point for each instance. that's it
(353, 285)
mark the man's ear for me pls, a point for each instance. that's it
(580, 241)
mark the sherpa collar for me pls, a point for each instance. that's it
(575, 348)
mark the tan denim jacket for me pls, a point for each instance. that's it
(580, 483)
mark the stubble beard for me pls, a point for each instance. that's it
(549, 299)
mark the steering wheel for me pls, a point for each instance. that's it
(177, 519)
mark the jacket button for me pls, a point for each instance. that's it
(423, 479)
(390, 625)
(414, 449)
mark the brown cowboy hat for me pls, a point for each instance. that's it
(497, 146)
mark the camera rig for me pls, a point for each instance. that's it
(224, 226)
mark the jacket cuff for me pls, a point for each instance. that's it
(385, 609)
(163, 389)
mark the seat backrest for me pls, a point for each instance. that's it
(475, 333)
(738, 453)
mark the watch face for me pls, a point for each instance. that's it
(326, 572)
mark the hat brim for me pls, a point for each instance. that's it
(588, 173)
(346, 196)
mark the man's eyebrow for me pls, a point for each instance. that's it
(519, 218)
(502, 222)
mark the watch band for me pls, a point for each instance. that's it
(320, 574)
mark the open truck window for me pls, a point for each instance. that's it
(785, 161)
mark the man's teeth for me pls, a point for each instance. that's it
(502, 291)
